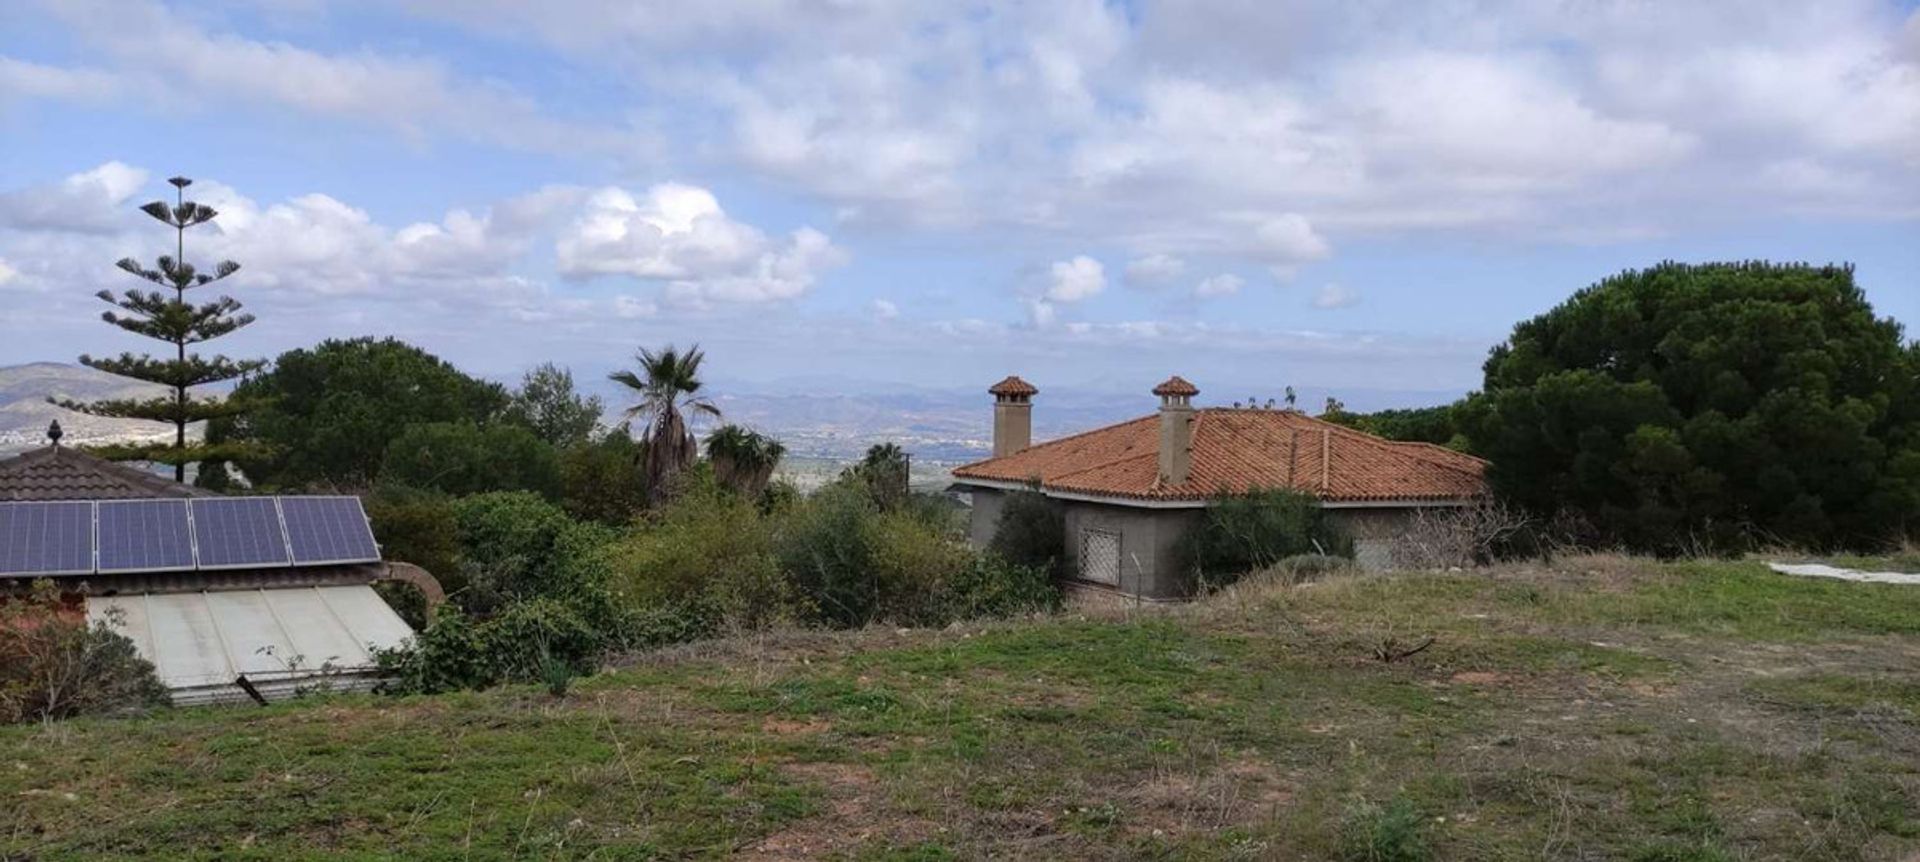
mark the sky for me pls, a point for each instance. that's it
(1346, 195)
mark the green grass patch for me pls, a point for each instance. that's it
(1556, 714)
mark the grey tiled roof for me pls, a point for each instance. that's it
(61, 473)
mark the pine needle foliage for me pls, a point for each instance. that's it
(165, 314)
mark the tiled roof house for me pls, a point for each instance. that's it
(1131, 489)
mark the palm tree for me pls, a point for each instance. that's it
(668, 383)
(743, 460)
(885, 472)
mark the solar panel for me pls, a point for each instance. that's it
(46, 538)
(144, 536)
(324, 530)
(238, 532)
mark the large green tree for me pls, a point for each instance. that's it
(548, 404)
(666, 388)
(462, 458)
(165, 315)
(1709, 407)
(329, 413)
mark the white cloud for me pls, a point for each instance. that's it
(155, 55)
(678, 235)
(674, 237)
(1223, 284)
(1287, 241)
(884, 310)
(1154, 270)
(21, 79)
(1075, 280)
(1332, 296)
(94, 201)
(8, 274)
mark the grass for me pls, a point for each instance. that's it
(1601, 708)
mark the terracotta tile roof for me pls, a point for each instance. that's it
(61, 473)
(1013, 385)
(1176, 385)
(1240, 450)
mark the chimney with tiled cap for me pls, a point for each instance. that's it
(1176, 429)
(1012, 415)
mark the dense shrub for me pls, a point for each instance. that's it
(1711, 407)
(417, 527)
(822, 547)
(519, 644)
(53, 664)
(856, 563)
(1240, 533)
(709, 554)
(464, 458)
(602, 480)
(509, 548)
(1031, 532)
(988, 586)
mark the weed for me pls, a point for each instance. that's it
(1394, 832)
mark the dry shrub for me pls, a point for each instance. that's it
(1458, 537)
(53, 664)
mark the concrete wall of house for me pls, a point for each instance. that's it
(1148, 539)
(987, 503)
(1374, 531)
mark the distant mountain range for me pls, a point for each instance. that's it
(820, 420)
(25, 413)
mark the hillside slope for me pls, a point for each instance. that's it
(25, 413)
(1598, 709)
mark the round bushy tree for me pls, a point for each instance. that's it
(1709, 407)
(327, 414)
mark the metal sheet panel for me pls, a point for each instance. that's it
(200, 642)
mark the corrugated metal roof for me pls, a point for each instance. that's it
(280, 639)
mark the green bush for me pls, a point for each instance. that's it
(602, 480)
(520, 644)
(1391, 833)
(1241, 533)
(449, 655)
(53, 664)
(988, 586)
(510, 548)
(707, 553)
(822, 547)
(1031, 532)
(463, 458)
(911, 567)
(417, 527)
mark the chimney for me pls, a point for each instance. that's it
(1012, 415)
(1176, 429)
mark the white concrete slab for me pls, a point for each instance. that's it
(1822, 570)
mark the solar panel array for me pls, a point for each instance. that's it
(327, 530)
(239, 532)
(47, 539)
(116, 536)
